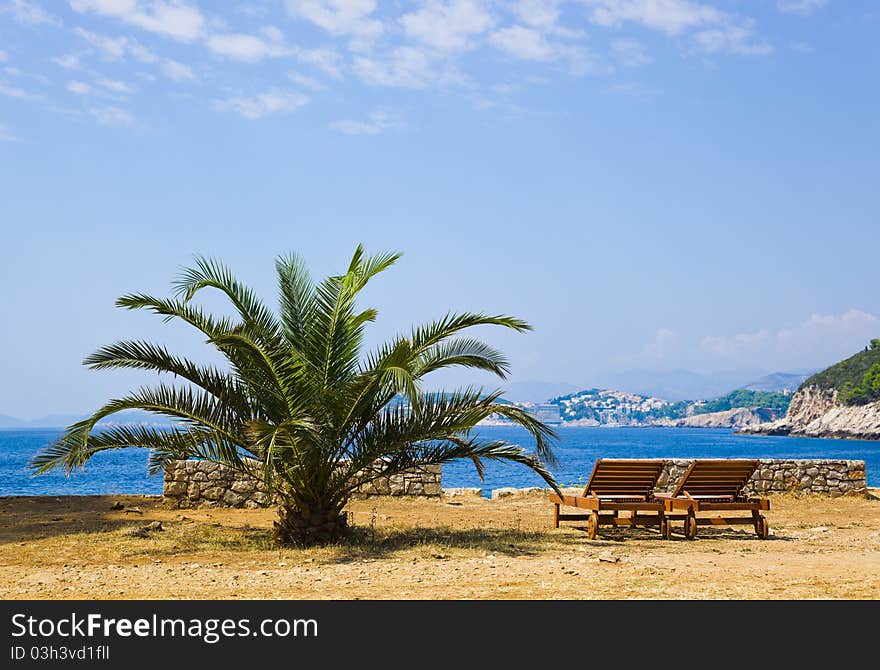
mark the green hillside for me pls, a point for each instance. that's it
(743, 398)
(857, 378)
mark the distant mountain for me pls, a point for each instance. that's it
(50, 421)
(777, 382)
(10, 422)
(64, 420)
(537, 391)
(678, 385)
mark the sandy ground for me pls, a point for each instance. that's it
(462, 548)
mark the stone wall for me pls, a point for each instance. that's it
(206, 484)
(828, 477)
(824, 477)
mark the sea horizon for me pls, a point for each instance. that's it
(124, 471)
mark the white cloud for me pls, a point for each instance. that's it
(117, 86)
(340, 17)
(851, 326)
(524, 43)
(661, 347)
(732, 38)
(246, 48)
(377, 121)
(406, 67)
(447, 26)
(172, 18)
(111, 47)
(715, 31)
(263, 104)
(305, 82)
(532, 45)
(821, 337)
(29, 13)
(672, 17)
(326, 60)
(15, 92)
(735, 344)
(663, 344)
(68, 61)
(538, 13)
(116, 48)
(800, 7)
(79, 87)
(176, 71)
(3, 57)
(272, 33)
(113, 117)
(630, 53)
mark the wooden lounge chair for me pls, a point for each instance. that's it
(715, 485)
(617, 485)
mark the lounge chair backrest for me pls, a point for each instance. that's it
(623, 476)
(716, 477)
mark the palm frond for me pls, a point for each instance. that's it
(211, 273)
(433, 333)
(464, 352)
(140, 355)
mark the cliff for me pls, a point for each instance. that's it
(815, 412)
(739, 417)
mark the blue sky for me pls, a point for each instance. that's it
(654, 184)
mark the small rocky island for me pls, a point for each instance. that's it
(842, 401)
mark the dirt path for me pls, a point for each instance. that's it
(78, 547)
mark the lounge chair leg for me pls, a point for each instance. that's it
(556, 516)
(593, 525)
(690, 524)
(664, 526)
(763, 528)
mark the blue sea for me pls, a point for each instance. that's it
(125, 471)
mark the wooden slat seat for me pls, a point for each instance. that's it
(616, 485)
(716, 485)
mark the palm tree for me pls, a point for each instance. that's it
(298, 407)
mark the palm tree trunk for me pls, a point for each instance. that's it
(302, 524)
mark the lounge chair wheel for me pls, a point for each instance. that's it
(593, 525)
(664, 528)
(763, 528)
(690, 525)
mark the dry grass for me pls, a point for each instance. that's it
(77, 547)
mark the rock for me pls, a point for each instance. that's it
(153, 527)
(172, 489)
(233, 499)
(214, 493)
(814, 412)
(118, 505)
(456, 492)
(504, 492)
(244, 486)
